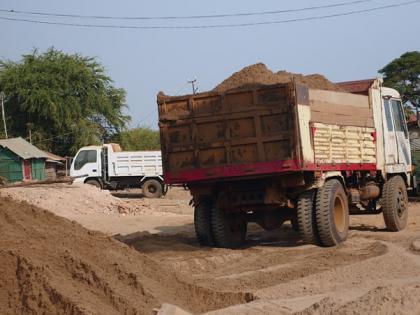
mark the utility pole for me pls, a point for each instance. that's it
(194, 88)
(2, 97)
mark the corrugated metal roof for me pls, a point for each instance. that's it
(54, 157)
(23, 148)
(415, 144)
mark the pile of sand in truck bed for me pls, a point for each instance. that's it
(259, 74)
(51, 265)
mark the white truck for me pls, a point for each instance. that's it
(108, 167)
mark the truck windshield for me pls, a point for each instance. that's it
(84, 157)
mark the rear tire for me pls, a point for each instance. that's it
(306, 217)
(229, 231)
(332, 213)
(152, 188)
(395, 204)
(94, 182)
(202, 223)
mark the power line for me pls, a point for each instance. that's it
(177, 27)
(334, 5)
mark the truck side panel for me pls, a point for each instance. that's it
(141, 163)
(337, 128)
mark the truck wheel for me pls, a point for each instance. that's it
(229, 231)
(94, 182)
(202, 223)
(295, 223)
(152, 188)
(306, 217)
(395, 204)
(332, 213)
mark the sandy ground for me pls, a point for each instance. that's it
(374, 272)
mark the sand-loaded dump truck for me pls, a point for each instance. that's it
(272, 153)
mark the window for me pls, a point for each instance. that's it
(84, 157)
(399, 119)
(387, 105)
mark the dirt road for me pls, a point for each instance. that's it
(374, 272)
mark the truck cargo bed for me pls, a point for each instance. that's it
(263, 130)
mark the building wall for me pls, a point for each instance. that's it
(10, 165)
(51, 170)
(38, 169)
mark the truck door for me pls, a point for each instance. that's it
(87, 163)
(390, 141)
(401, 132)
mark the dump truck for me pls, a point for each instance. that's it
(108, 167)
(272, 153)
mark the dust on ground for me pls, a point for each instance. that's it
(374, 272)
(259, 74)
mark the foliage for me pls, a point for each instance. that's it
(137, 139)
(65, 100)
(403, 74)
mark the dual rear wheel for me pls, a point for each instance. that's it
(323, 214)
(214, 227)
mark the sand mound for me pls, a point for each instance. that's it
(51, 265)
(78, 199)
(64, 198)
(259, 74)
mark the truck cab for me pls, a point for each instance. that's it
(86, 165)
(108, 167)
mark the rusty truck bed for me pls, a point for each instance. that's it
(264, 130)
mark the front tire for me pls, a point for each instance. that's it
(229, 231)
(395, 204)
(332, 213)
(152, 188)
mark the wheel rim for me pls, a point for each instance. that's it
(339, 213)
(401, 203)
(151, 189)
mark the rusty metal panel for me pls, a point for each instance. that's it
(277, 150)
(244, 126)
(302, 94)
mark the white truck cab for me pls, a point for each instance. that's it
(109, 167)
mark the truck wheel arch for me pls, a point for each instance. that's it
(328, 176)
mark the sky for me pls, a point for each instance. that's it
(144, 62)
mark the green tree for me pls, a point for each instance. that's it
(403, 74)
(137, 139)
(64, 100)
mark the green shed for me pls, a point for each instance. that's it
(21, 161)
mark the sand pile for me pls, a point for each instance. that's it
(50, 265)
(66, 200)
(259, 74)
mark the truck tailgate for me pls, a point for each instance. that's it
(240, 132)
